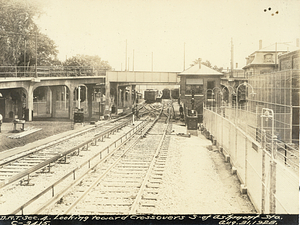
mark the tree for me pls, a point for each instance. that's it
(19, 34)
(89, 61)
(196, 61)
(207, 63)
(220, 69)
(46, 52)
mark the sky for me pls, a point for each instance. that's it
(168, 35)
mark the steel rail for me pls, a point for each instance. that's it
(34, 150)
(135, 205)
(37, 149)
(108, 170)
(55, 158)
(51, 187)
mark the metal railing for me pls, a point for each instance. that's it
(61, 156)
(49, 71)
(99, 155)
(251, 124)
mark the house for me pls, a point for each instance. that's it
(265, 60)
(289, 61)
(280, 91)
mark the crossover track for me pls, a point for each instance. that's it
(20, 166)
(125, 181)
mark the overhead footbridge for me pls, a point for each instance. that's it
(120, 85)
(57, 93)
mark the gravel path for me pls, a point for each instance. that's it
(198, 181)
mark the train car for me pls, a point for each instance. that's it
(139, 95)
(159, 95)
(175, 93)
(150, 95)
(166, 94)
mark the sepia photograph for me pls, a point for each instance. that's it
(149, 112)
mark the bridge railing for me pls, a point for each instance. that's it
(49, 71)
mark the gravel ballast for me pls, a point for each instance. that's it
(198, 181)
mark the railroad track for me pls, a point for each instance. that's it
(126, 183)
(20, 166)
(106, 161)
(90, 130)
(42, 158)
(94, 147)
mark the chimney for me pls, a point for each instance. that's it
(297, 42)
(199, 60)
(260, 44)
(236, 65)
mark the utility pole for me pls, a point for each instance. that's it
(184, 56)
(36, 54)
(128, 64)
(231, 62)
(276, 54)
(152, 62)
(276, 66)
(126, 56)
(24, 56)
(133, 61)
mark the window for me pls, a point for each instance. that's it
(210, 84)
(268, 58)
(210, 87)
(195, 85)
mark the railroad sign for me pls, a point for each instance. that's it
(78, 117)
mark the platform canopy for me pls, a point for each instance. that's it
(200, 70)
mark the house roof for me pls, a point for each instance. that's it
(257, 57)
(204, 70)
(281, 47)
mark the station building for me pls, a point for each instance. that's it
(202, 81)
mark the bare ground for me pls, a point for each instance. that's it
(49, 128)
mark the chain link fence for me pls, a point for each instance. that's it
(272, 183)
